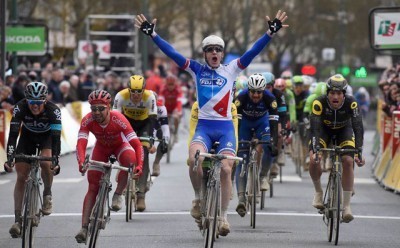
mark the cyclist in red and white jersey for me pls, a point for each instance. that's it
(171, 95)
(214, 87)
(114, 136)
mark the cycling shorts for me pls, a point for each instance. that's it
(344, 137)
(209, 131)
(261, 129)
(124, 153)
(28, 141)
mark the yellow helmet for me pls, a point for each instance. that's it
(136, 82)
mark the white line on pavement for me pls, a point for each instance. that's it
(68, 180)
(4, 181)
(230, 213)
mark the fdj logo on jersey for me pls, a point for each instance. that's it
(218, 81)
(386, 28)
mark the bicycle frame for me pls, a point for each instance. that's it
(32, 198)
(100, 214)
(212, 203)
(332, 198)
(253, 178)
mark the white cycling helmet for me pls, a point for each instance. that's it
(212, 40)
(256, 82)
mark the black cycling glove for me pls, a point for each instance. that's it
(164, 146)
(147, 28)
(274, 25)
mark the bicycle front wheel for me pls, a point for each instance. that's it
(254, 189)
(26, 220)
(337, 203)
(128, 200)
(328, 211)
(96, 217)
(211, 215)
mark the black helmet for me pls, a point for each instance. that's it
(336, 82)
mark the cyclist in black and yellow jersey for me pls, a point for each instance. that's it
(336, 114)
(140, 108)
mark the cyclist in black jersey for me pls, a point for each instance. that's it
(40, 124)
(336, 114)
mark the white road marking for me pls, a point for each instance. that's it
(4, 181)
(289, 178)
(288, 214)
(364, 181)
(68, 180)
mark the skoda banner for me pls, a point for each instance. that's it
(25, 39)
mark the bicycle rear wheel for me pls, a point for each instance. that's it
(337, 202)
(96, 217)
(271, 187)
(262, 203)
(211, 215)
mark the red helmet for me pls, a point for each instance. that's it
(99, 97)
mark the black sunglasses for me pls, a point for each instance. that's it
(211, 49)
(136, 91)
(256, 91)
(98, 108)
(36, 102)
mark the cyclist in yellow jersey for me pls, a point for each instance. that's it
(140, 108)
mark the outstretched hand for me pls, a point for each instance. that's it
(276, 24)
(144, 25)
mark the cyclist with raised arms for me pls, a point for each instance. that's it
(139, 106)
(214, 83)
(336, 113)
(257, 109)
(37, 122)
(114, 136)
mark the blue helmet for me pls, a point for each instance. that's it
(269, 77)
(36, 91)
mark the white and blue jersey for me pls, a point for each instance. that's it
(214, 89)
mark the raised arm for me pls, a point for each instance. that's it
(274, 27)
(149, 29)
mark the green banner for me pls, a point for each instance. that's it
(369, 81)
(25, 39)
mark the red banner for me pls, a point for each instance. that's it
(3, 128)
(387, 132)
(396, 132)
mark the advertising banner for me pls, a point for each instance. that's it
(25, 39)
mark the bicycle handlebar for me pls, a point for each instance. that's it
(339, 150)
(33, 157)
(218, 157)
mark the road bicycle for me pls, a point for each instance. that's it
(32, 198)
(252, 170)
(100, 214)
(332, 210)
(211, 198)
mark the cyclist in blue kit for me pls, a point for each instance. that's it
(257, 109)
(214, 83)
